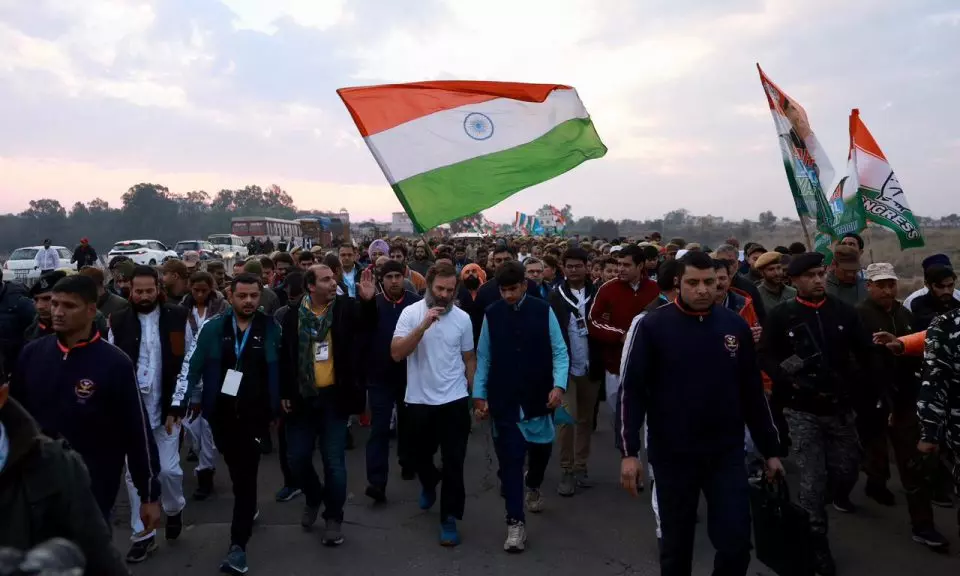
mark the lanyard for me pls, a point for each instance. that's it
(239, 346)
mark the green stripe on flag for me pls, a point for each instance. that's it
(461, 189)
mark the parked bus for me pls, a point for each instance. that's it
(286, 232)
(325, 231)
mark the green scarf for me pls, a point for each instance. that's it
(313, 329)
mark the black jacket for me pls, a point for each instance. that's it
(16, 314)
(350, 333)
(125, 325)
(563, 304)
(84, 256)
(899, 375)
(927, 307)
(45, 493)
(837, 354)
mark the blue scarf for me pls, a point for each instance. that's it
(4, 447)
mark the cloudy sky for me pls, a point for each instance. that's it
(208, 94)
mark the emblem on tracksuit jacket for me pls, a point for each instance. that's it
(732, 344)
(84, 389)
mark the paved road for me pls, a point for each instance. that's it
(600, 532)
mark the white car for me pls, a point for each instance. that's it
(147, 252)
(21, 267)
(229, 246)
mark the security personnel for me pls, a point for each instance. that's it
(690, 371)
(152, 333)
(42, 294)
(817, 353)
(80, 388)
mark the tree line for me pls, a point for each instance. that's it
(148, 211)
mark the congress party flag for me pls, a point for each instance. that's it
(881, 195)
(809, 171)
(453, 148)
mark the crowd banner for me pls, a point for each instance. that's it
(453, 148)
(883, 200)
(805, 162)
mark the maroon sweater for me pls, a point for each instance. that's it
(616, 305)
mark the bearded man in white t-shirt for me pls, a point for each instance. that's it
(436, 338)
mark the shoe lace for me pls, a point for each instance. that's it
(513, 532)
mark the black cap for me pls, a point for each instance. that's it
(803, 262)
(391, 266)
(47, 282)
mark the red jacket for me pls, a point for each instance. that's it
(613, 310)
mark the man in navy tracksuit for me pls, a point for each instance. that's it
(387, 385)
(80, 388)
(691, 367)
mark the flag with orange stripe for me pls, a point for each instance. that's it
(453, 148)
(881, 195)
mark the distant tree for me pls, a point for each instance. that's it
(605, 229)
(767, 220)
(676, 218)
(45, 209)
(98, 205)
(79, 211)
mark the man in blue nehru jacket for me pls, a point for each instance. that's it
(522, 371)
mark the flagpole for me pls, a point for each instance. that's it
(806, 234)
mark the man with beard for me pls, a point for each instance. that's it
(460, 257)
(322, 388)
(436, 339)
(772, 288)
(202, 303)
(42, 293)
(522, 371)
(80, 388)
(236, 355)
(107, 301)
(387, 385)
(122, 273)
(695, 412)
(421, 259)
(940, 298)
(152, 333)
(269, 301)
(219, 273)
(176, 278)
(571, 302)
(471, 278)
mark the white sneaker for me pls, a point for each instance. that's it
(534, 501)
(516, 538)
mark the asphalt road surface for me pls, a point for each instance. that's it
(601, 531)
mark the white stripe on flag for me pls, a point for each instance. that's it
(443, 138)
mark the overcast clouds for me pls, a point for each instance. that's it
(207, 94)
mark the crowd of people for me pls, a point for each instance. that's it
(714, 362)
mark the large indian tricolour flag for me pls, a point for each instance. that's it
(452, 148)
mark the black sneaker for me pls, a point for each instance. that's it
(930, 538)
(204, 485)
(139, 551)
(174, 526)
(941, 498)
(880, 493)
(376, 493)
(843, 504)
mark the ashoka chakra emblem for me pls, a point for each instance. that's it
(478, 126)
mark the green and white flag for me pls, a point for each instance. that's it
(453, 148)
(882, 198)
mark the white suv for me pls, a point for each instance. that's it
(148, 252)
(229, 246)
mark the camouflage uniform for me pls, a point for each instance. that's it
(938, 405)
(824, 447)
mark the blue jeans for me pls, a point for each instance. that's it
(317, 418)
(512, 450)
(382, 397)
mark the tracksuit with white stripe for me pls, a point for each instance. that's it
(693, 377)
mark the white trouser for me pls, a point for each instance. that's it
(201, 437)
(611, 386)
(171, 481)
(653, 484)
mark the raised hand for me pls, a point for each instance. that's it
(367, 289)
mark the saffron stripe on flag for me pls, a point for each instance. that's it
(379, 108)
(442, 139)
(481, 182)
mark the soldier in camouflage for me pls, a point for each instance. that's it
(819, 358)
(940, 390)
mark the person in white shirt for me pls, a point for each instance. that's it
(436, 338)
(928, 262)
(152, 334)
(47, 258)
